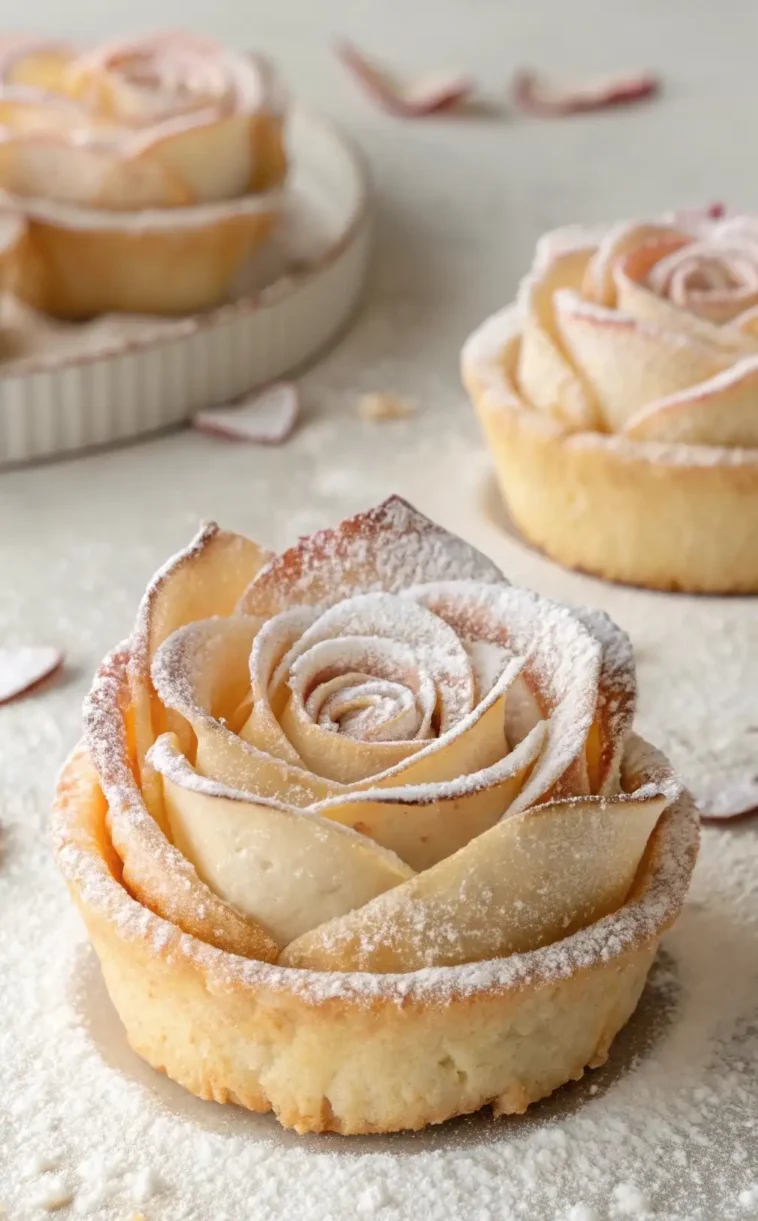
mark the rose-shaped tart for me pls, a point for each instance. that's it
(620, 400)
(361, 833)
(147, 170)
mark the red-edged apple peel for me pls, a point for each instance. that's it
(408, 99)
(265, 417)
(537, 95)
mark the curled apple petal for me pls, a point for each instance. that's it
(24, 666)
(266, 417)
(407, 99)
(539, 96)
(734, 798)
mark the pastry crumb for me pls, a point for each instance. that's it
(379, 406)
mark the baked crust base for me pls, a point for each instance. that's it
(633, 512)
(326, 1054)
(76, 272)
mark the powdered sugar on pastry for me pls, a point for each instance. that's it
(319, 799)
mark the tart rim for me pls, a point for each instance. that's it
(594, 502)
(483, 378)
(655, 901)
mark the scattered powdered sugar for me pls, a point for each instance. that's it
(672, 1115)
(390, 547)
(654, 1123)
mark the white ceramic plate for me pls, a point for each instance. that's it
(68, 387)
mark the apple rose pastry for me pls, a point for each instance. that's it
(620, 400)
(361, 833)
(148, 171)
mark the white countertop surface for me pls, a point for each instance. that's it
(670, 1131)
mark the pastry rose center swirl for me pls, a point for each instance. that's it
(166, 76)
(650, 331)
(707, 280)
(376, 668)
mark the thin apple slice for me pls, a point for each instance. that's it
(531, 880)
(93, 176)
(378, 549)
(544, 375)
(286, 869)
(211, 153)
(536, 95)
(638, 296)
(24, 667)
(38, 64)
(205, 579)
(265, 417)
(627, 362)
(620, 241)
(407, 99)
(720, 411)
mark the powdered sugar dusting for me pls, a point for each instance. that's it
(387, 548)
(640, 920)
(672, 1114)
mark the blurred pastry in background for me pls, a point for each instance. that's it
(148, 171)
(619, 397)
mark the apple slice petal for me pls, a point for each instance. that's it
(719, 411)
(544, 376)
(205, 579)
(266, 417)
(544, 98)
(94, 176)
(408, 99)
(627, 362)
(530, 880)
(23, 667)
(248, 851)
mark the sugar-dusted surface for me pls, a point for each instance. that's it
(667, 1130)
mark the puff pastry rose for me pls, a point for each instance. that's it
(620, 400)
(147, 170)
(361, 833)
